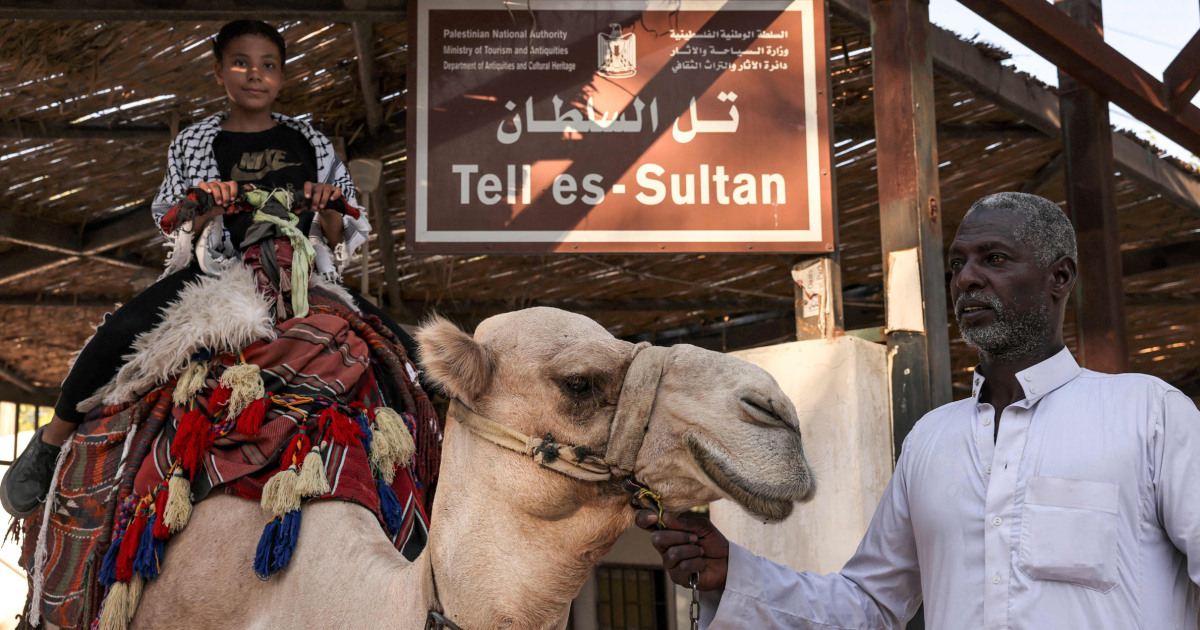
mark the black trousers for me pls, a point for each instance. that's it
(104, 354)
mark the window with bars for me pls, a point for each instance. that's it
(631, 598)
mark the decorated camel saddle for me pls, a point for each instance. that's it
(264, 383)
(555, 431)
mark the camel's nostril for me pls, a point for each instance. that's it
(762, 412)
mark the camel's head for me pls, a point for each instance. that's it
(720, 427)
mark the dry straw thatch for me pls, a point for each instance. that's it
(157, 75)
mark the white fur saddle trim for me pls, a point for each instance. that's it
(223, 314)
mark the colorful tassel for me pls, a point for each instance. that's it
(285, 541)
(296, 449)
(190, 382)
(129, 546)
(280, 495)
(219, 398)
(115, 614)
(251, 420)
(392, 444)
(245, 386)
(108, 568)
(134, 597)
(192, 440)
(312, 481)
(149, 552)
(160, 529)
(342, 430)
(179, 502)
(389, 507)
(266, 547)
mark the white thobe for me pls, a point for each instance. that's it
(1083, 513)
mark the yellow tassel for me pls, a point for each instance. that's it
(115, 615)
(245, 385)
(190, 382)
(391, 444)
(312, 481)
(135, 596)
(179, 502)
(281, 494)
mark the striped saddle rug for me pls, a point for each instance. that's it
(327, 407)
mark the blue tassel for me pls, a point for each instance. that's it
(266, 547)
(149, 553)
(364, 424)
(285, 541)
(108, 568)
(389, 507)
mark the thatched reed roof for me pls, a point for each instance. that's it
(77, 236)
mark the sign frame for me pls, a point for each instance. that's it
(818, 238)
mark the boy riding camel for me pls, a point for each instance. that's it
(247, 145)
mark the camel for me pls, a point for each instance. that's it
(511, 542)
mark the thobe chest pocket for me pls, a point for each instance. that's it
(1068, 532)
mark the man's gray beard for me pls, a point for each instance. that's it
(1010, 336)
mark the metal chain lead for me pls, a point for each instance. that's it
(695, 607)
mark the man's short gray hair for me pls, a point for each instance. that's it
(1046, 230)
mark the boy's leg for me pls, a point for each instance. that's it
(28, 479)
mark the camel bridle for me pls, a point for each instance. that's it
(639, 390)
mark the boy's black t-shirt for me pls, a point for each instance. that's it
(279, 157)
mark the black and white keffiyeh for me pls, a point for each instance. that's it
(191, 160)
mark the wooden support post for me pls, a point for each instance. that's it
(387, 253)
(368, 75)
(1091, 203)
(910, 223)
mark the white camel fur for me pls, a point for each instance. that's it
(511, 543)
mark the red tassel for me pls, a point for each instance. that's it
(219, 398)
(251, 420)
(342, 430)
(192, 440)
(129, 546)
(296, 450)
(160, 530)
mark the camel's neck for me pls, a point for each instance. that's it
(511, 544)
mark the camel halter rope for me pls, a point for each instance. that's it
(628, 430)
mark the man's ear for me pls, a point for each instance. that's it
(454, 360)
(1063, 273)
(217, 73)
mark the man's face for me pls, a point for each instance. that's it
(1000, 294)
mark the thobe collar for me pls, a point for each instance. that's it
(1039, 379)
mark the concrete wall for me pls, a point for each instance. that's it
(840, 389)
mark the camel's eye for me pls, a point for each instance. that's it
(577, 386)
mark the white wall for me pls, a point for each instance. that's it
(840, 389)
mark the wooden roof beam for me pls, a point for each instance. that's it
(213, 10)
(46, 246)
(57, 300)
(1181, 79)
(1082, 52)
(963, 63)
(41, 396)
(128, 132)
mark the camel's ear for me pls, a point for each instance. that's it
(452, 359)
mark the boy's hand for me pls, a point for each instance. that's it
(320, 194)
(223, 193)
(689, 544)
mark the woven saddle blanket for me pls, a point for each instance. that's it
(326, 406)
